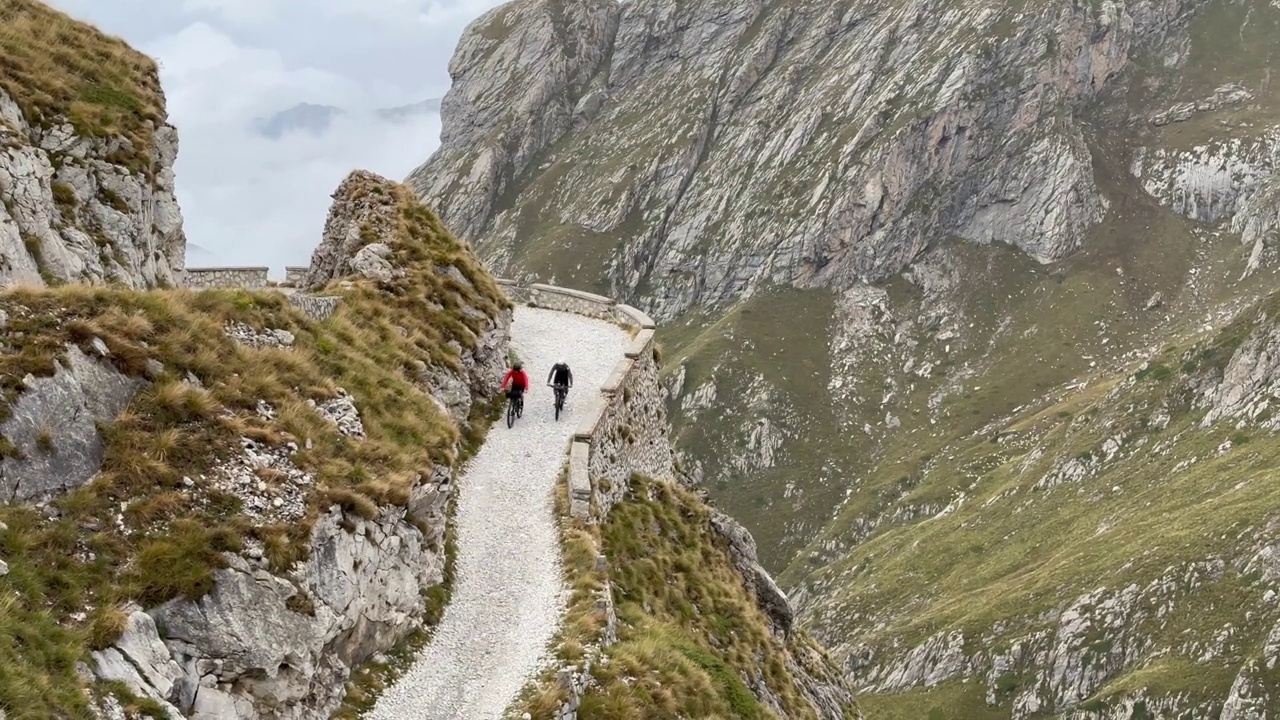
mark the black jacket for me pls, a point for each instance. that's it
(560, 375)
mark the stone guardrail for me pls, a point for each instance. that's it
(627, 433)
(293, 274)
(316, 307)
(248, 278)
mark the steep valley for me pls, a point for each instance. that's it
(965, 314)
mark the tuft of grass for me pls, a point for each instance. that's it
(44, 439)
(106, 625)
(65, 199)
(113, 199)
(182, 564)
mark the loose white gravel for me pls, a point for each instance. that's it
(509, 595)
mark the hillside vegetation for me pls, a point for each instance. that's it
(691, 640)
(154, 522)
(1110, 544)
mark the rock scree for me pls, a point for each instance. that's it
(509, 596)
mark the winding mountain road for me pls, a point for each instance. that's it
(509, 595)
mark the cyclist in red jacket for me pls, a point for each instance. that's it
(518, 381)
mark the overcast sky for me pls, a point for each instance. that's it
(253, 201)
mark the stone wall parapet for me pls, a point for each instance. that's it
(247, 278)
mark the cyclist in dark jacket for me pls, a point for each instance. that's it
(560, 375)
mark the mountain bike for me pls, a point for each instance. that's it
(560, 392)
(515, 408)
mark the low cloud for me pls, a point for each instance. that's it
(251, 200)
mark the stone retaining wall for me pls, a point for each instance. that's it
(316, 307)
(248, 278)
(628, 433)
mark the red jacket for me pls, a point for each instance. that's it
(518, 379)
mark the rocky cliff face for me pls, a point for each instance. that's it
(700, 152)
(86, 158)
(283, 645)
(904, 257)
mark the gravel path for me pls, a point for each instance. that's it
(508, 599)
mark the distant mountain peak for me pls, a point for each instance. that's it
(404, 112)
(316, 119)
(303, 117)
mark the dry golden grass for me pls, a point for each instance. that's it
(56, 67)
(106, 625)
(44, 439)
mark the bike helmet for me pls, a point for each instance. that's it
(517, 366)
(561, 362)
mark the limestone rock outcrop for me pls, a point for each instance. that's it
(268, 646)
(363, 212)
(366, 214)
(74, 212)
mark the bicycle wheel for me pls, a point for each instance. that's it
(520, 407)
(558, 406)
(511, 413)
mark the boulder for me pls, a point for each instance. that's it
(54, 427)
(374, 262)
(141, 661)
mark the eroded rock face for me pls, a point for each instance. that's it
(363, 213)
(1234, 179)
(1250, 382)
(697, 141)
(54, 427)
(268, 646)
(72, 214)
(742, 548)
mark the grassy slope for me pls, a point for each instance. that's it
(1011, 551)
(914, 578)
(689, 632)
(57, 68)
(80, 562)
